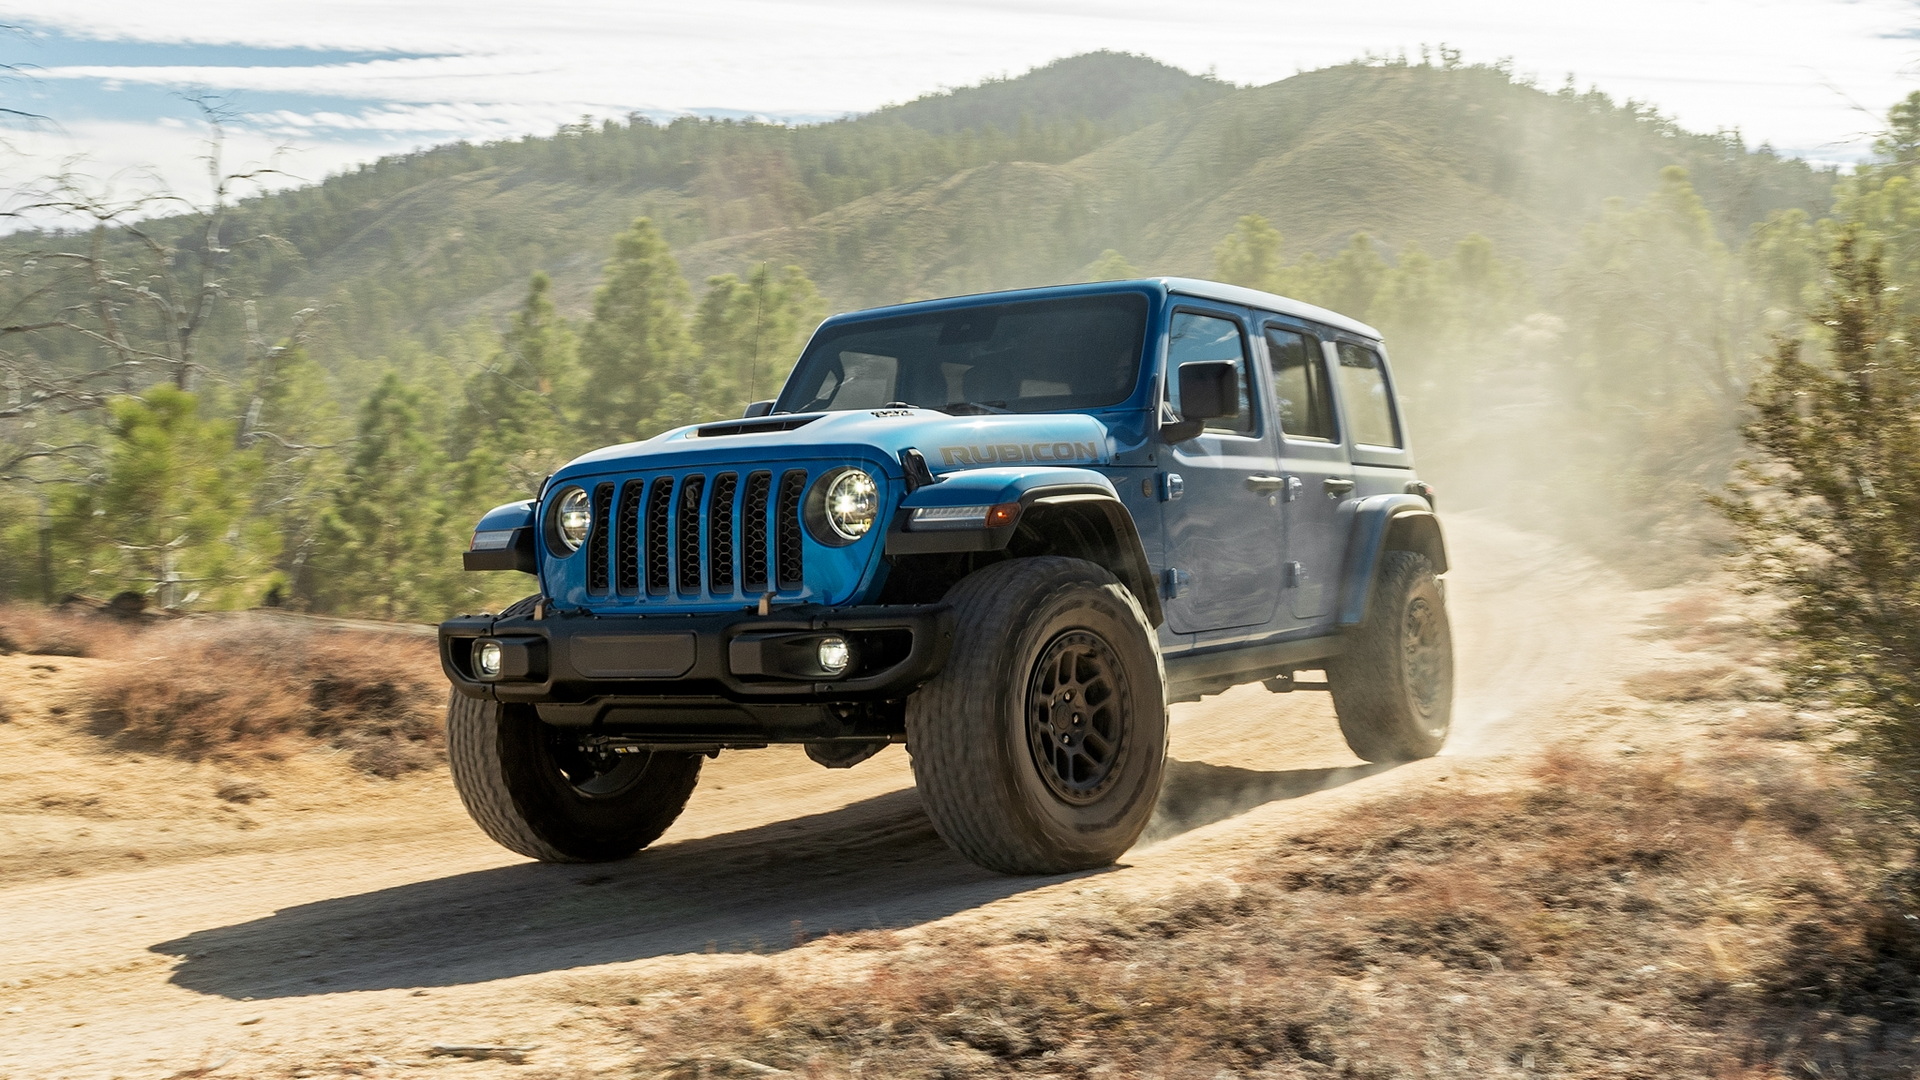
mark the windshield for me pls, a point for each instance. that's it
(1030, 356)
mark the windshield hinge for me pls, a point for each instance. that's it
(919, 475)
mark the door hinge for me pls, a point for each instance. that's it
(1176, 581)
(1171, 487)
(1294, 576)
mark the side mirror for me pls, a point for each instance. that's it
(1209, 390)
(758, 408)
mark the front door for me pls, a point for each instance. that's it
(1220, 491)
(1319, 476)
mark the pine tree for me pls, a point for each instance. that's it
(167, 517)
(384, 545)
(1110, 266)
(521, 408)
(294, 425)
(1351, 279)
(1250, 255)
(750, 333)
(536, 366)
(641, 375)
(1830, 517)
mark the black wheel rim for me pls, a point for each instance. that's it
(1077, 714)
(1424, 643)
(593, 773)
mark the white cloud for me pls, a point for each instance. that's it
(1783, 71)
(131, 158)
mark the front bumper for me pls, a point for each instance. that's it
(577, 665)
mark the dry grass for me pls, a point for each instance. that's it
(232, 691)
(1706, 682)
(1716, 918)
(1727, 654)
(29, 628)
(239, 688)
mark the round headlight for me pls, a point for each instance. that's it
(853, 502)
(572, 518)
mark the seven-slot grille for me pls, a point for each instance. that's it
(721, 534)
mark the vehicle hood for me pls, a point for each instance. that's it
(871, 435)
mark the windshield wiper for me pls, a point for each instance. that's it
(974, 408)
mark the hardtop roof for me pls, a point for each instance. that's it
(1282, 305)
(1177, 286)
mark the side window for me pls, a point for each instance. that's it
(1209, 337)
(1363, 394)
(1300, 397)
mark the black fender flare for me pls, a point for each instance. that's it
(1383, 523)
(1125, 556)
(1082, 495)
(504, 540)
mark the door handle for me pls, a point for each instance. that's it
(1336, 487)
(1263, 482)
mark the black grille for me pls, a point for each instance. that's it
(793, 487)
(658, 554)
(718, 536)
(626, 538)
(753, 533)
(686, 532)
(720, 532)
(597, 539)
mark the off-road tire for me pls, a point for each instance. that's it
(507, 767)
(1393, 687)
(978, 731)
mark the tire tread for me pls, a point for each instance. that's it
(1370, 695)
(487, 750)
(954, 765)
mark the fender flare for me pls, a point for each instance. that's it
(1383, 523)
(1085, 493)
(514, 551)
(986, 487)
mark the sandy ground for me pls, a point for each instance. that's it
(165, 919)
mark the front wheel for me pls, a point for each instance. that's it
(1393, 687)
(536, 790)
(1039, 748)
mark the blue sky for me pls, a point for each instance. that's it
(320, 86)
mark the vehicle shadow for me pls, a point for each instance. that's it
(1195, 793)
(874, 864)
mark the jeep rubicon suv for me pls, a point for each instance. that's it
(1006, 530)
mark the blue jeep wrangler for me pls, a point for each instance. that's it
(1004, 529)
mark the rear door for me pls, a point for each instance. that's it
(1219, 490)
(1319, 476)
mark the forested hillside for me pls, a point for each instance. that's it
(1008, 183)
(1568, 284)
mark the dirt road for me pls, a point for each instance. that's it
(312, 922)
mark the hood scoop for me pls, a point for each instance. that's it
(753, 427)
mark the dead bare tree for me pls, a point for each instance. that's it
(126, 284)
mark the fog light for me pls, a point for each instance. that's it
(486, 659)
(834, 655)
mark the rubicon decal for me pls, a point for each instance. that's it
(1019, 453)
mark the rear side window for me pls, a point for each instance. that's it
(1194, 338)
(1300, 397)
(1363, 394)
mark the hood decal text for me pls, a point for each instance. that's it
(1020, 453)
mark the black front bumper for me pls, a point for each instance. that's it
(697, 678)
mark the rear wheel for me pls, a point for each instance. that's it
(1393, 687)
(1039, 748)
(535, 789)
